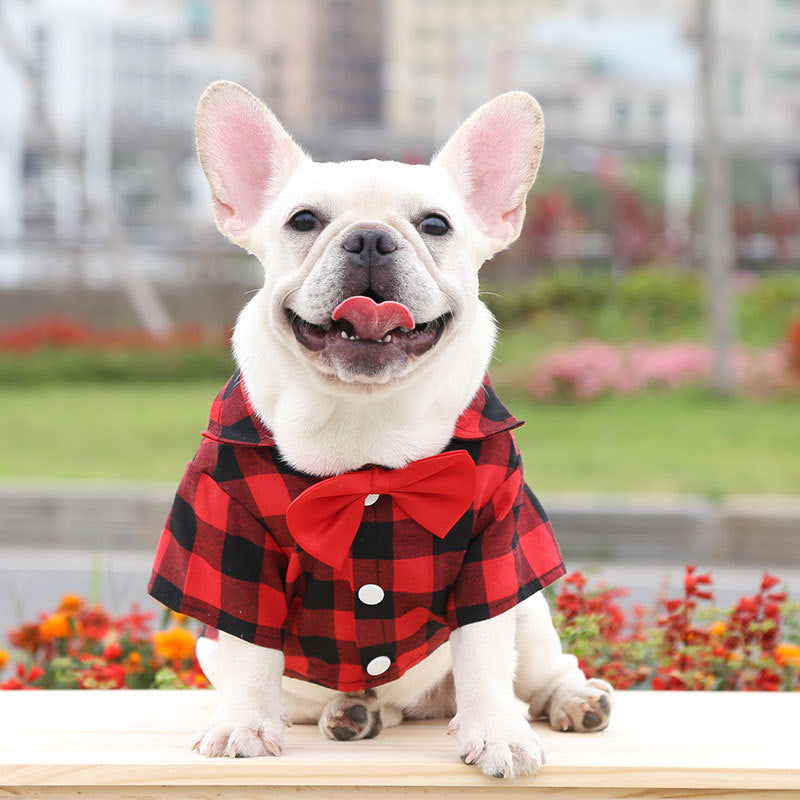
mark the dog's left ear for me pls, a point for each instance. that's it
(493, 159)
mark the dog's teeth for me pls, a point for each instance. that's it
(404, 329)
(344, 335)
(387, 338)
(353, 338)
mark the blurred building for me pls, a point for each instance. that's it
(427, 50)
(318, 63)
(607, 70)
(616, 77)
(99, 99)
(97, 133)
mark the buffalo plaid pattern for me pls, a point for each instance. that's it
(226, 556)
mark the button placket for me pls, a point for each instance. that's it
(371, 629)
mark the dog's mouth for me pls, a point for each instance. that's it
(368, 335)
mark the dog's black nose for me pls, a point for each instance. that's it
(370, 244)
(370, 265)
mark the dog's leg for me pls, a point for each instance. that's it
(550, 681)
(491, 731)
(249, 720)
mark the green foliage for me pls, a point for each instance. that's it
(766, 310)
(72, 364)
(662, 299)
(167, 678)
(652, 303)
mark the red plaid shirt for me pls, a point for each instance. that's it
(226, 556)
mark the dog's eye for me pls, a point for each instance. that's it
(304, 221)
(434, 225)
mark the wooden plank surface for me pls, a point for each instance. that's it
(658, 742)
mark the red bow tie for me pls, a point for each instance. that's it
(435, 492)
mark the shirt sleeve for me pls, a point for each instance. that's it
(513, 552)
(219, 564)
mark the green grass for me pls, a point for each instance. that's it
(683, 442)
(100, 431)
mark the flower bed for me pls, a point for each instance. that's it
(754, 646)
(78, 647)
(681, 645)
(591, 369)
(53, 348)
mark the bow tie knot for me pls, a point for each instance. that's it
(381, 481)
(435, 492)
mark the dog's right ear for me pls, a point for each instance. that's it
(246, 155)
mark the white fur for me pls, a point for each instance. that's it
(327, 419)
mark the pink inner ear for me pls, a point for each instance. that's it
(241, 151)
(500, 157)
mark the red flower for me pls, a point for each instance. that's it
(35, 673)
(96, 624)
(26, 637)
(768, 581)
(768, 681)
(136, 624)
(112, 652)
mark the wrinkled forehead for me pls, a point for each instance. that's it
(368, 189)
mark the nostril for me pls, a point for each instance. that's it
(385, 244)
(354, 243)
(368, 243)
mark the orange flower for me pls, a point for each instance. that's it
(176, 643)
(180, 619)
(3, 658)
(788, 654)
(71, 604)
(56, 627)
(718, 628)
(134, 662)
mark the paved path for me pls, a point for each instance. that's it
(33, 580)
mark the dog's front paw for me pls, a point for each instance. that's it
(241, 735)
(356, 715)
(585, 710)
(502, 746)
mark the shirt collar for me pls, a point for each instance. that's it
(233, 421)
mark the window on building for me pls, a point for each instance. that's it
(736, 92)
(787, 36)
(657, 114)
(621, 112)
(198, 18)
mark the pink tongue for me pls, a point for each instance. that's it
(371, 320)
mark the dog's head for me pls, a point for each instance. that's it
(371, 266)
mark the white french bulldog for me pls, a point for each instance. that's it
(365, 345)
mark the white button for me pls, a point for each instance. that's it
(371, 594)
(379, 665)
(370, 499)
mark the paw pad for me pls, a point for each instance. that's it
(587, 710)
(352, 716)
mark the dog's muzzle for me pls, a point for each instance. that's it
(368, 344)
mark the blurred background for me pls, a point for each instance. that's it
(650, 312)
